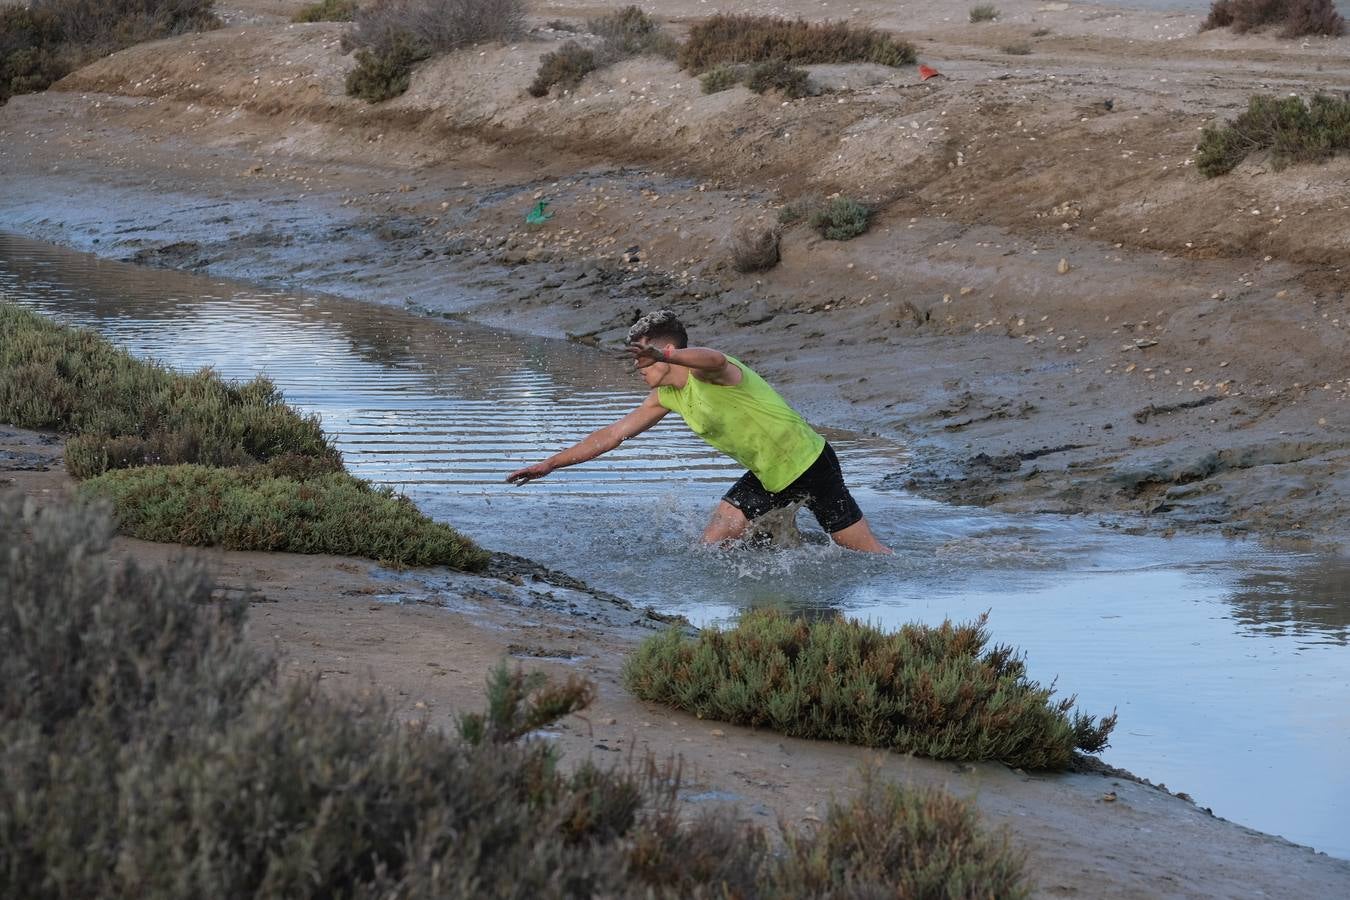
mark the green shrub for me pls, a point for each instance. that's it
(776, 75)
(105, 26)
(31, 44)
(625, 33)
(565, 66)
(391, 36)
(384, 72)
(842, 219)
(151, 752)
(799, 210)
(435, 26)
(1299, 17)
(985, 12)
(931, 691)
(327, 11)
(127, 412)
(1294, 132)
(631, 32)
(738, 39)
(900, 843)
(252, 509)
(721, 78)
(43, 41)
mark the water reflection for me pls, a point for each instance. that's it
(1308, 600)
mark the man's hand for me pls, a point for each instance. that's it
(643, 355)
(529, 473)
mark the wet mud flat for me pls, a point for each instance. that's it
(1191, 415)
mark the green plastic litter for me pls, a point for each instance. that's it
(539, 215)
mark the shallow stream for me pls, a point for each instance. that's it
(1228, 661)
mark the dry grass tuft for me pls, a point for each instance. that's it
(755, 248)
(985, 12)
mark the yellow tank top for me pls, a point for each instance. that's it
(750, 423)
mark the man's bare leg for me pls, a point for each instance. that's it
(859, 536)
(727, 524)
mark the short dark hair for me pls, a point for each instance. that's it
(661, 325)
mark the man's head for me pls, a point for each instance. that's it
(659, 328)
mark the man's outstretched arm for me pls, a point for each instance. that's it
(597, 442)
(705, 363)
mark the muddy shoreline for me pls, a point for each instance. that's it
(986, 416)
(1187, 370)
(425, 638)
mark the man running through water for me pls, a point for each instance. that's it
(724, 402)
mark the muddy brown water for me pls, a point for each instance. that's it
(1228, 661)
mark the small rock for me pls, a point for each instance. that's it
(1063, 267)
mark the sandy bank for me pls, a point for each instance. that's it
(426, 637)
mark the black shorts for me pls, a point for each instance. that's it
(821, 486)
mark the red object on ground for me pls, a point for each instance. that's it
(927, 72)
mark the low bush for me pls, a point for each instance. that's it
(1017, 49)
(127, 412)
(721, 78)
(384, 72)
(105, 26)
(755, 249)
(631, 32)
(935, 692)
(799, 210)
(252, 509)
(41, 42)
(743, 39)
(777, 75)
(565, 66)
(622, 34)
(151, 752)
(1297, 17)
(842, 219)
(327, 11)
(1293, 131)
(31, 51)
(985, 12)
(391, 36)
(435, 26)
